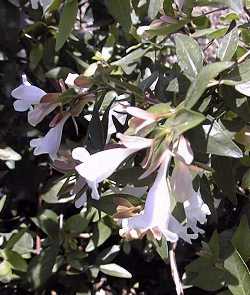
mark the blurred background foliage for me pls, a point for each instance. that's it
(50, 247)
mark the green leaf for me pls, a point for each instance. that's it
(36, 55)
(101, 233)
(127, 62)
(115, 270)
(225, 176)
(184, 120)
(239, 74)
(15, 260)
(237, 267)
(219, 141)
(241, 239)
(121, 11)
(107, 255)
(200, 83)
(228, 45)
(162, 248)
(189, 55)
(47, 220)
(166, 29)
(67, 21)
(40, 267)
(76, 224)
(5, 272)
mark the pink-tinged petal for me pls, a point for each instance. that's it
(30, 94)
(21, 105)
(184, 150)
(50, 143)
(80, 154)
(141, 114)
(134, 142)
(70, 79)
(181, 182)
(40, 111)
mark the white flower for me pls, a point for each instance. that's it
(26, 95)
(70, 79)
(50, 143)
(196, 211)
(99, 166)
(156, 216)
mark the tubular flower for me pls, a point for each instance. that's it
(99, 166)
(156, 217)
(50, 143)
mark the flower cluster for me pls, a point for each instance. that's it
(168, 158)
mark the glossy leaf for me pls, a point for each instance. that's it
(200, 83)
(189, 55)
(228, 45)
(115, 270)
(237, 267)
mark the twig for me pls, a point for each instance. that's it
(174, 270)
(215, 10)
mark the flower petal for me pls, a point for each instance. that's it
(50, 143)
(70, 79)
(134, 142)
(181, 182)
(184, 150)
(29, 93)
(80, 154)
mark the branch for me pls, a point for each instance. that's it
(174, 270)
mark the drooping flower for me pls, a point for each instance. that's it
(99, 166)
(50, 143)
(156, 217)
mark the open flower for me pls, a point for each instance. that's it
(196, 211)
(156, 217)
(50, 143)
(26, 95)
(99, 166)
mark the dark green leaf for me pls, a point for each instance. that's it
(67, 21)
